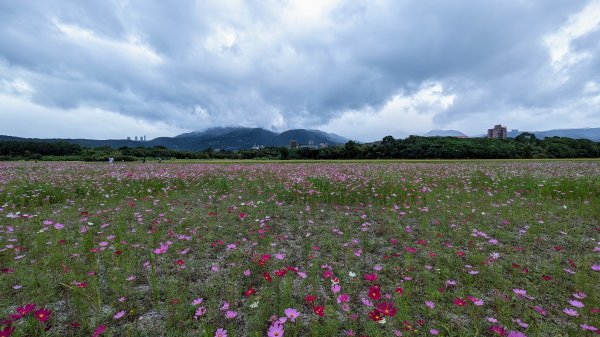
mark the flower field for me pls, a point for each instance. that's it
(300, 249)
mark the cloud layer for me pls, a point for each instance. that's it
(361, 69)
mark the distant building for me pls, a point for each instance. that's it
(258, 147)
(128, 138)
(293, 144)
(498, 132)
(136, 138)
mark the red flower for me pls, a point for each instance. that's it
(410, 249)
(547, 277)
(267, 277)
(375, 293)
(461, 254)
(399, 291)
(249, 292)
(281, 272)
(42, 314)
(319, 310)
(327, 274)
(387, 308)
(460, 302)
(310, 298)
(7, 331)
(376, 315)
(180, 262)
(371, 277)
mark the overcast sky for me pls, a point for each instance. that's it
(362, 69)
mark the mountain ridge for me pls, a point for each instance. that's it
(227, 138)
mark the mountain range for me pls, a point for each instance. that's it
(228, 138)
(237, 138)
(444, 133)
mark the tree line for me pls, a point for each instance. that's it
(523, 146)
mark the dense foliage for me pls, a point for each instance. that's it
(524, 146)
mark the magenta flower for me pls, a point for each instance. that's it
(570, 312)
(230, 314)
(430, 304)
(596, 267)
(221, 332)
(540, 311)
(343, 298)
(99, 330)
(197, 301)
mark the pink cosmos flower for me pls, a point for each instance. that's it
(596, 267)
(576, 303)
(335, 288)
(579, 295)
(221, 332)
(570, 312)
(230, 314)
(588, 327)
(197, 301)
(59, 226)
(275, 330)
(292, 314)
(119, 314)
(516, 334)
(199, 312)
(521, 323)
(430, 304)
(433, 331)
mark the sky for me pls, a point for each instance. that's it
(361, 69)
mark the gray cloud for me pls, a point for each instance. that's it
(282, 64)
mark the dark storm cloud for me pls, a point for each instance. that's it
(274, 64)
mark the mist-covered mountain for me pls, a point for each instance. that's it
(444, 133)
(229, 138)
(588, 133)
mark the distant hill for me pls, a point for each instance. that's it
(588, 133)
(445, 133)
(229, 138)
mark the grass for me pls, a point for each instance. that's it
(130, 249)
